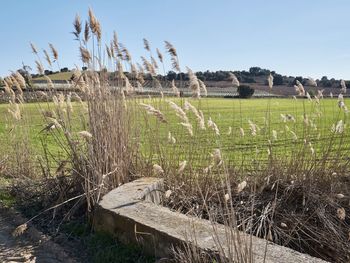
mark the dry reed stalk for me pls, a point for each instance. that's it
(47, 57)
(85, 134)
(308, 96)
(200, 117)
(203, 87)
(157, 169)
(125, 53)
(34, 49)
(173, 54)
(171, 138)
(148, 66)
(146, 45)
(152, 111)
(86, 33)
(211, 124)
(39, 67)
(311, 82)
(254, 129)
(158, 85)
(20, 80)
(299, 88)
(154, 63)
(109, 53)
(77, 27)
(85, 55)
(160, 55)
(320, 94)
(15, 111)
(343, 86)
(182, 167)
(194, 84)
(54, 52)
(234, 79)
(178, 111)
(217, 157)
(241, 131)
(270, 81)
(175, 89)
(188, 127)
(49, 82)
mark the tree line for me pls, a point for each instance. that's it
(253, 75)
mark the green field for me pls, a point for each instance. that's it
(230, 115)
(57, 76)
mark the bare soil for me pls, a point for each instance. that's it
(32, 246)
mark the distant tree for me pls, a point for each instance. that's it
(325, 82)
(334, 83)
(171, 75)
(181, 76)
(266, 72)
(64, 69)
(278, 80)
(254, 71)
(245, 91)
(248, 79)
(220, 75)
(84, 68)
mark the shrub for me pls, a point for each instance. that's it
(245, 91)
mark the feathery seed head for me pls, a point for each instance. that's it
(34, 49)
(77, 26)
(86, 32)
(146, 44)
(343, 86)
(53, 51)
(182, 167)
(85, 55)
(311, 82)
(157, 169)
(270, 81)
(160, 55)
(213, 126)
(85, 134)
(234, 79)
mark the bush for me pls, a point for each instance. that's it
(245, 91)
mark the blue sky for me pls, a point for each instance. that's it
(292, 37)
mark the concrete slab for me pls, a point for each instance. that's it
(131, 213)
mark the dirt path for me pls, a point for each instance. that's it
(31, 247)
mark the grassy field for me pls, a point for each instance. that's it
(308, 125)
(57, 76)
(283, 127)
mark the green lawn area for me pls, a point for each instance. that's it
(230, 115)
(31, 126)
(266, 114)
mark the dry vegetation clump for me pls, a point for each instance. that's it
(301, 215)
(279, 180)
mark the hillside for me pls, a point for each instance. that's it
(57, 76)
